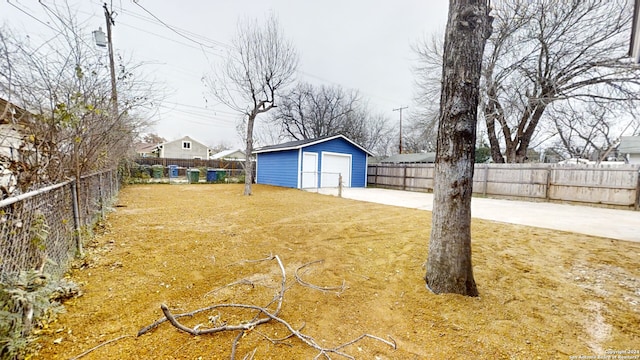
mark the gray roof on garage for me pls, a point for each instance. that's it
(293, 145)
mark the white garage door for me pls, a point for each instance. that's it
(333, 165)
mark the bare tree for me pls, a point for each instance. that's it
(309, 112)
(449, 268)
(153, 138)
(378, 135)
(551, 51)
(259, 66)
(549, 63)
(66, 87)
(421, 133)
(422, 128)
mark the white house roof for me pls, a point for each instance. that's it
(226, 153)
(294, 145)
(145, 148)
(629, 145)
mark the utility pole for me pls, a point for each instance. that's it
(114, 94)
(400, 110)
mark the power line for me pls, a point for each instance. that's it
(181, 32)
(137, 2)
(211, 120)
(167, 38)
(192, 38)
(35, 18)
(199, 110)
(160, 36)
(155, 20)
(188, 32)
(203, 108)
(120, 22)
(63, 22)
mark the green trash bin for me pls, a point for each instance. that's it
(221, 174)
(194, 175)
(157, 171)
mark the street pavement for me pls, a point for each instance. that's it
(603, 222)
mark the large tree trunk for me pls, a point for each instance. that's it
(248, 166)
(449, 268)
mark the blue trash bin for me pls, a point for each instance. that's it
(173, 171)
(211, 175)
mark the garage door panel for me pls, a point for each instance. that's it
(334, 165)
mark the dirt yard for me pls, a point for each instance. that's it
(543, 294)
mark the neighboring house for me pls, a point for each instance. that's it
(12, 120)
(576, 161)
(184, 148)
(551, 156)
(630, 148)
(145, 150)
(419, 158)
(313, 163)
(13, 149)
(229, 155)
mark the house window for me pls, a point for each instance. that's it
(186, 145)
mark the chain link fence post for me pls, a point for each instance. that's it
(76, 217)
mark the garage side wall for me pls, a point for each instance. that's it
(278, 168)
(358, 158)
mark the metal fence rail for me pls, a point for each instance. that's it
(41, 229)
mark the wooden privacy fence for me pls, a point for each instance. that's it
(234, 168)
(597, 184)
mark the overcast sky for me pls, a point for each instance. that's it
(357, 44)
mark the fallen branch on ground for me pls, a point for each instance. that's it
(238, 282)
(338, 289)
(262, 316)
(99, 346)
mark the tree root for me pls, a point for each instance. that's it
(264, 315)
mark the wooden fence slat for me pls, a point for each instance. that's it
(637, 204)
(602, 184)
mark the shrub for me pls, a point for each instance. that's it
(27, 300)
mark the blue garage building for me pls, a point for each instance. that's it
(313, 163)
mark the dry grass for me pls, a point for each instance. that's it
(543, 294)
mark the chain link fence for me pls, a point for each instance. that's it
(328, 183)
(42, 229)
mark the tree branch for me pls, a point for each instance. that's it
(245, 326)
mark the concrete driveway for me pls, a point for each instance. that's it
(608, 223)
